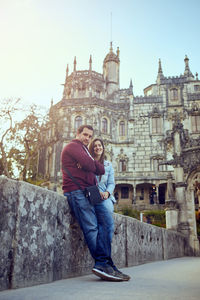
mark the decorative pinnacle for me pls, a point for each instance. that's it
(187, 71)
(90, 63)
(111, 48)
(160, 67)
(67, 70)
(131, 84)
(118, 51)
(74, 63)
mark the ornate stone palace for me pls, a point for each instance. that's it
(153, 141)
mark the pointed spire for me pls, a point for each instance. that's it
(160, 75)
(90, 63)
(74, 63)
(131, 84)
(130, 87)
(67, 70)
(187, 71)
(111, 47)
(160, 67)
(52, 102)
(118, 51)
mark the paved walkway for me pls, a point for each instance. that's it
(175, 279)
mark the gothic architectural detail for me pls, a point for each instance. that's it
(146, 136)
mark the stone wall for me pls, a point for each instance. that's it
(40, 242)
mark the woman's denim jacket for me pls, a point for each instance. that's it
(107, 182)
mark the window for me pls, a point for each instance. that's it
(98, 93)
(197, 88)
(122, 128)
(195, 123)
(156, 125)
(124, 192)
(142, 194)
(156, 166)
(104, 125)
(78, 122)
(174, 94)
(122, 165)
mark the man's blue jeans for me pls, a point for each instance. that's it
(97, 225)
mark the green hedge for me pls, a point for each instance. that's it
(154, 217)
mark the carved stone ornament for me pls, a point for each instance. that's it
(191, 159)
(176, 115)
(178, 160)
(171, 204)
(180, 184)
(195, 109)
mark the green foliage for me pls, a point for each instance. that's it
(128, 211)
(154, 217)
(37, 181)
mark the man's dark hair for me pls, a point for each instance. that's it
(80, 129)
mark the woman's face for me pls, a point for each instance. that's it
(98, 148)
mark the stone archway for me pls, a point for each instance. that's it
(124, 194)
(193, 201)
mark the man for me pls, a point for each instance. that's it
(95, 221)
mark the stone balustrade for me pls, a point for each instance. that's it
(40, 242)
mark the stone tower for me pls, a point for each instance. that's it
(111, 71)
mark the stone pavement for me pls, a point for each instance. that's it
(175, 279)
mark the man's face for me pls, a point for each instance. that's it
(85, 136)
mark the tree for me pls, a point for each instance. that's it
(8, 109)
(36, 131)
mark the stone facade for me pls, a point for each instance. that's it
(147, 138)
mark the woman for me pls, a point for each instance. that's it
(106, 182)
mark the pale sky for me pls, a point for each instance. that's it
(38, 38)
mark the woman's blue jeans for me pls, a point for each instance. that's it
(97, 225)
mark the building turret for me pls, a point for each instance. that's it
(111, 70)
(187, 71)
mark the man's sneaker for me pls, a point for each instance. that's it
(106, 273)
(121, 275)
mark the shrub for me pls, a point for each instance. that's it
(154, 217)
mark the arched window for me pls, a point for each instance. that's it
(122, 165)
(104, 125)
(156, 125)
(122, 128)
(78, 122)
(174, 94)
(195, 120)
(124, 192)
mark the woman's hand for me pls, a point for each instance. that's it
(105, 195)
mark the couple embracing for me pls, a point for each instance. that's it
(88, 167)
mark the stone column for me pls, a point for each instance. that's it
(171, 211)
(134, 194)
(193, 240)
(183, 225)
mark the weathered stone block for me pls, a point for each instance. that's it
(144, 243)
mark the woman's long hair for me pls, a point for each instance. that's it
(91, 149)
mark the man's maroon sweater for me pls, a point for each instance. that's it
(73, 154)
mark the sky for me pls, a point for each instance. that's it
(38, 38)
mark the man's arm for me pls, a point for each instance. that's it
(77, 152)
